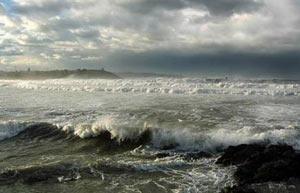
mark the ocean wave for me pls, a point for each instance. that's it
(181, 86)
(158, 138)
(10, 129)
(188, 139)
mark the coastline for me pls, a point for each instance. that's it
(59, 74)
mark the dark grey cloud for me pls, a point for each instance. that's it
(147, 6)
(215, 7)
(155, 35)
(228, 7)
(285, 64)
(44, 7)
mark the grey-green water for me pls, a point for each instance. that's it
(182, 115)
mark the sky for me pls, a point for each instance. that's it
(254, 37)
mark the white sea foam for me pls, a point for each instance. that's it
(156, 165)
(187, 86)
(222, 138)
(225, 137)
(10, 129)
(199, 176)
(206, 177)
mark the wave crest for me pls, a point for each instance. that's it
(188, 139)
(158, 138)
(10, 129)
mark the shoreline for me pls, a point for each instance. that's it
(58, 74)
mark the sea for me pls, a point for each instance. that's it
(154, 134)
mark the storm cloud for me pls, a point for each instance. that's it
(215, 7)
(151, 35)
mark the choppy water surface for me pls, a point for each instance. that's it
(179, 116)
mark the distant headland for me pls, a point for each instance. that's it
(58, 74)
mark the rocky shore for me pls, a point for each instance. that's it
(260, 163)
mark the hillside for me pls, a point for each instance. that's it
(57, 74)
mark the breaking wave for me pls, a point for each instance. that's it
(159, 138)
(187, 139)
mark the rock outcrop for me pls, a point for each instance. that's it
(258, 163)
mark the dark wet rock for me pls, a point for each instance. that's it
(238, 154)
(237, 189)
(275, 163)
(262, 163)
